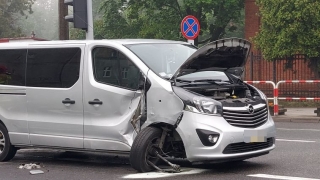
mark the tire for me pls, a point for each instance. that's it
(7, 151)
(142, 149)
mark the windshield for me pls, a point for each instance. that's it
(163, 59)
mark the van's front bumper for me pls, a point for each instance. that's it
(197, 152)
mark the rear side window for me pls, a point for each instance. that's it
(53, 67)
(13, 67)
(112, 67)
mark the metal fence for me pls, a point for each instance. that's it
(297, 67)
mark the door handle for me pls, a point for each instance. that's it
(95, 101)
(68, 101)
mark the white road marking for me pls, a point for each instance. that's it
(291, 140)
(280, 177)
(151, 175)
(286, 129)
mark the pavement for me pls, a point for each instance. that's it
(298, 115)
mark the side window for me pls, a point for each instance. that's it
(13, 67)
(53, 67)
(112, 67)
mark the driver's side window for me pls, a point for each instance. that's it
(114, 68)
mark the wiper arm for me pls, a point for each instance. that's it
(208, 80)
(183, 80)
(212, 81)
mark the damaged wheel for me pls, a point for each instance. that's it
(144, 149)
(7, 151)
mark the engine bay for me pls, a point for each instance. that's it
(230, 94)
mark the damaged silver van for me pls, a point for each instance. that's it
(152, 99)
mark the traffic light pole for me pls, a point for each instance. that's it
(90, 33)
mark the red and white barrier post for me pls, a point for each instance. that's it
(275, 93)
(276, 110)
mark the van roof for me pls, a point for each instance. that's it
(117, 41)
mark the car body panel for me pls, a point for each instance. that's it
(163, 105)
(107, 126)
(52, 123)
(196, 151)
(221, 55)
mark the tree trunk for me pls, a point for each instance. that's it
(63, 24)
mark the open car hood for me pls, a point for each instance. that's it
(227, 55)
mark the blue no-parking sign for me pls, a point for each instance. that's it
(190, 27)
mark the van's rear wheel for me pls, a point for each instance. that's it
(7, 151)
(144, 149)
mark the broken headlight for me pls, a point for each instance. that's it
(198, 103)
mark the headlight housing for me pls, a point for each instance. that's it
(262, 95)
(198, 103)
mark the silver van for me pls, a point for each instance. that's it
(152, 99)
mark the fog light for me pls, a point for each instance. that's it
(208, 138)
(213, 139)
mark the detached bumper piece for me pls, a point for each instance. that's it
(247, 147)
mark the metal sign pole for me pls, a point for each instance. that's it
(90, 33)
(191, 41)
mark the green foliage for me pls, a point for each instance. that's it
(10, 10)
(43, 21)
(289, 27)
(161, 19)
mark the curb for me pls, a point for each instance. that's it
(296, 119)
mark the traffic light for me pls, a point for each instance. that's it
(80, 13)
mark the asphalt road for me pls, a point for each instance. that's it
(297, 155)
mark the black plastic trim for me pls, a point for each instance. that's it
(19, 94)
(203, 136)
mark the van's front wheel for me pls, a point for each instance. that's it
(7, 151)
(144, 149)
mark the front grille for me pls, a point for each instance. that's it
(241, 117)
(247, 147)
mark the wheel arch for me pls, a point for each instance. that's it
(163, 125)
(1, 122)
(172, 130)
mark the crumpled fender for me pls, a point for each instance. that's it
(163, 105)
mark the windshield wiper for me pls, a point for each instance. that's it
(208, 80)
(183, 80)
(212, 81)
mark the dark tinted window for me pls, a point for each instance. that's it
(56, 67)
(112, 67)
(13, 67)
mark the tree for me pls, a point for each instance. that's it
(289, 27)
(43, 21)
(161, 19)
(10, 10)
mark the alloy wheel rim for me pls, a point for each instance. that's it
(2, 142)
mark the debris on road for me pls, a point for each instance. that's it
(30, 166)
(34, 172)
